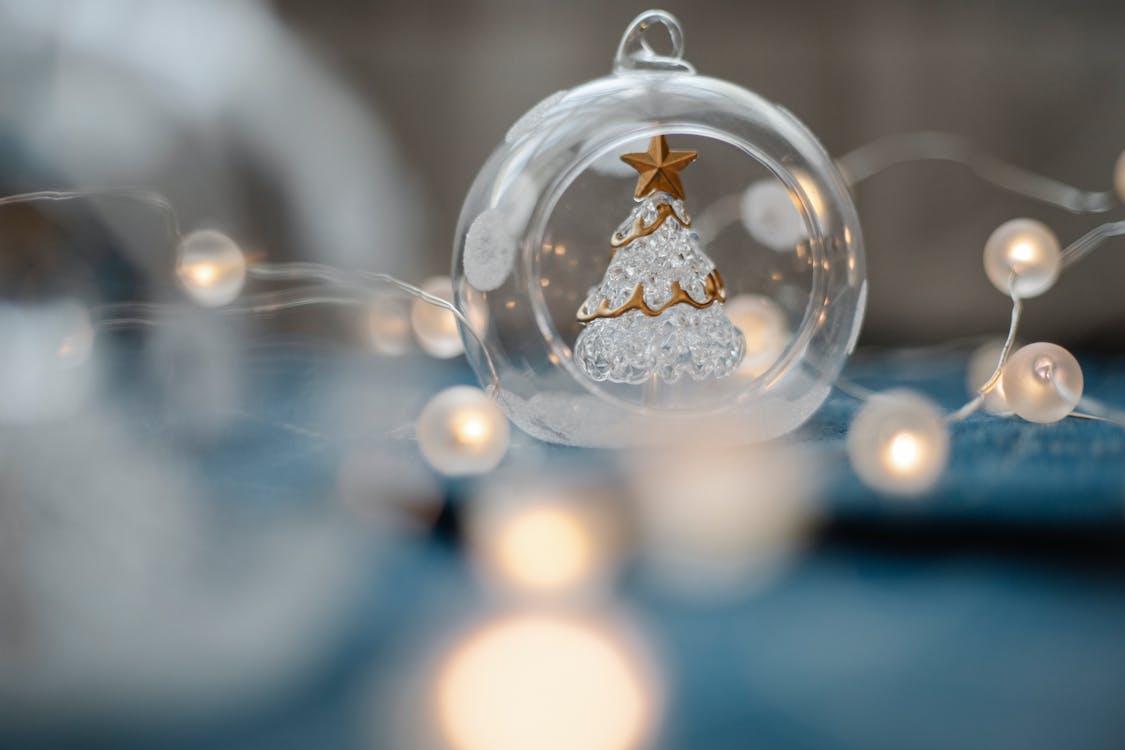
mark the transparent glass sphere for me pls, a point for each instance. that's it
(1042, 382)
(1026, 248)
(535, 230)
(898, 442)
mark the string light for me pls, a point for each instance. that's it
(462, 431)
(541, 538)
(436, 329)
(1043, 382)
(211, 267)
(982, 363)
(898, 442)
(1024, 253)
(771, 217)
(712, 517)
(543, 682)
(765, 328)
(388, 326)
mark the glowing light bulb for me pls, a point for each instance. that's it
(765, 328)
(713, 518)
(1119, 177)
(541, 537)
(436, 328)
(981, 365)
(539, 682)
(462, 431)
(388, 327)
(46, 369)
(1029, 250)
(898, 443)
(772, 217)
(211, 267)
(1043, 382)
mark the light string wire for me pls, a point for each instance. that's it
(857, 165)
(110, 317)
(890, 151)
(884, 153)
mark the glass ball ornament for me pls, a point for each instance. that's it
(462, 431)
(898, 443)
(537, 234)
(1024, 253)
(1042, 382)
(211, 267)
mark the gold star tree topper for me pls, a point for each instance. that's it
(659, 168)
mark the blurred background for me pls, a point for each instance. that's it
(216, 530)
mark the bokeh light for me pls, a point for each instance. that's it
(544, 682)
(545, 537)
(211, 267)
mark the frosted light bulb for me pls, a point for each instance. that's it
(765, 328)
(211, 267)
(462, 431)
(435, 327)
(981, 365)
(1119, 177)
(544, 682)
(1027, 248)
(388, 327)
(1043, 382)
(898, 443)
(771, 217)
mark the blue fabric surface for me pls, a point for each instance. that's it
(869, 642)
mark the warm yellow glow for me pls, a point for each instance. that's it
(202, 274)
(1023, 252)
(904, 452)
(470, 427)
(537, 682)
(544, 548)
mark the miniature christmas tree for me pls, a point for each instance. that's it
(658, 311)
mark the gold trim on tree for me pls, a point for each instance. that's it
(712, 288)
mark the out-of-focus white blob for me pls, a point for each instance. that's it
(545, 682)
(46, 368)
(714, 518)
(982, 363)
(771, 216)
(196, 361)
(391, 491)
(1119, 177)
(128, 81)
(544, 537)
(462, 431)
(89, 113)
(1043, 382)
(211, 267)
(387, 326)
(435, 327)
(898, 443)
(765, 328)
(1024, 253)
(128, 589)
